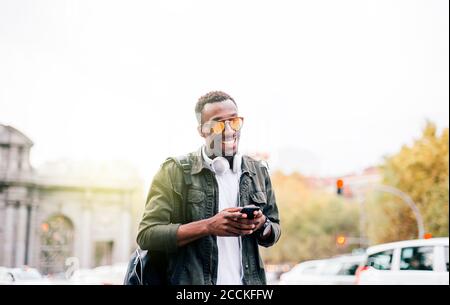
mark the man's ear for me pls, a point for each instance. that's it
(200, 131)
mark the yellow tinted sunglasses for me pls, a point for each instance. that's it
(217, 127)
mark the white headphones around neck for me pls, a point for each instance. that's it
(220, 164)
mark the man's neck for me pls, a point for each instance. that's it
(230, 161)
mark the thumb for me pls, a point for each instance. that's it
(232, 209)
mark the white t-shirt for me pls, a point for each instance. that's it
(229, 271)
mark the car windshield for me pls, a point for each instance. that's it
(348, 269)
(381, 260)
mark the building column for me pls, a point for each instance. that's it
(21, 235)
(2, 227)
(85, 233)
(33, 245)
(123, 246)
(8, 247)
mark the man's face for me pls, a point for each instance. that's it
(226, 142)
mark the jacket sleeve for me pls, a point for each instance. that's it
(271, 211)
(156, 232)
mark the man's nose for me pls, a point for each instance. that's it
(228, 130)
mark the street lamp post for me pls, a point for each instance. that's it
(393, 191)
(408, 201)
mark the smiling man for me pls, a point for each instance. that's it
(193, 218)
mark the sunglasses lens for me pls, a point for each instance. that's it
(218, 127)
(236, 123)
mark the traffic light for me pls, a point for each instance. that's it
(340, 186)
(341, 240)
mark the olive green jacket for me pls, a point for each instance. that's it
(196, 262)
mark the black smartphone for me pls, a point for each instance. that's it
(249, 209)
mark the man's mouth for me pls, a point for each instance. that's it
(224, 146)
(229, 141)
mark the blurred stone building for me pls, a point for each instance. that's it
(64, 209)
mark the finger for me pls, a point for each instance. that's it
(232, 209)
(246, 221)
(232, 215)
(232, 231)
(259, 223)
(257, 214)
(242, 226)
(238, 231)
(246, 232)
(229, 233)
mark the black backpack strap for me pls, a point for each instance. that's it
(185, 164)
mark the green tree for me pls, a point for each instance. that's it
(421, 171)
(310, 220)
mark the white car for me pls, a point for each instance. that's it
(6, 277)
(409, 262)
(103, 275)
(334, 271)
(22, 276)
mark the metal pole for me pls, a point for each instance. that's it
(362, 219)
(393, 191)
(408, 201)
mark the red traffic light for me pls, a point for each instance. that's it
(340, 186)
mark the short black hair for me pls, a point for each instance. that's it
(208, 98)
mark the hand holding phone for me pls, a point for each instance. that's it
(249, 210)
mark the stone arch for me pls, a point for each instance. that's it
(57, 243)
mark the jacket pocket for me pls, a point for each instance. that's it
(195, 200)
(259, 198)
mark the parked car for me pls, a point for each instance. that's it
(273, 272)
(334, 271)
(22, 276)
(410, 262)
(102, 275)
(6, 277)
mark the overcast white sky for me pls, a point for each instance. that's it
(326, 87)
